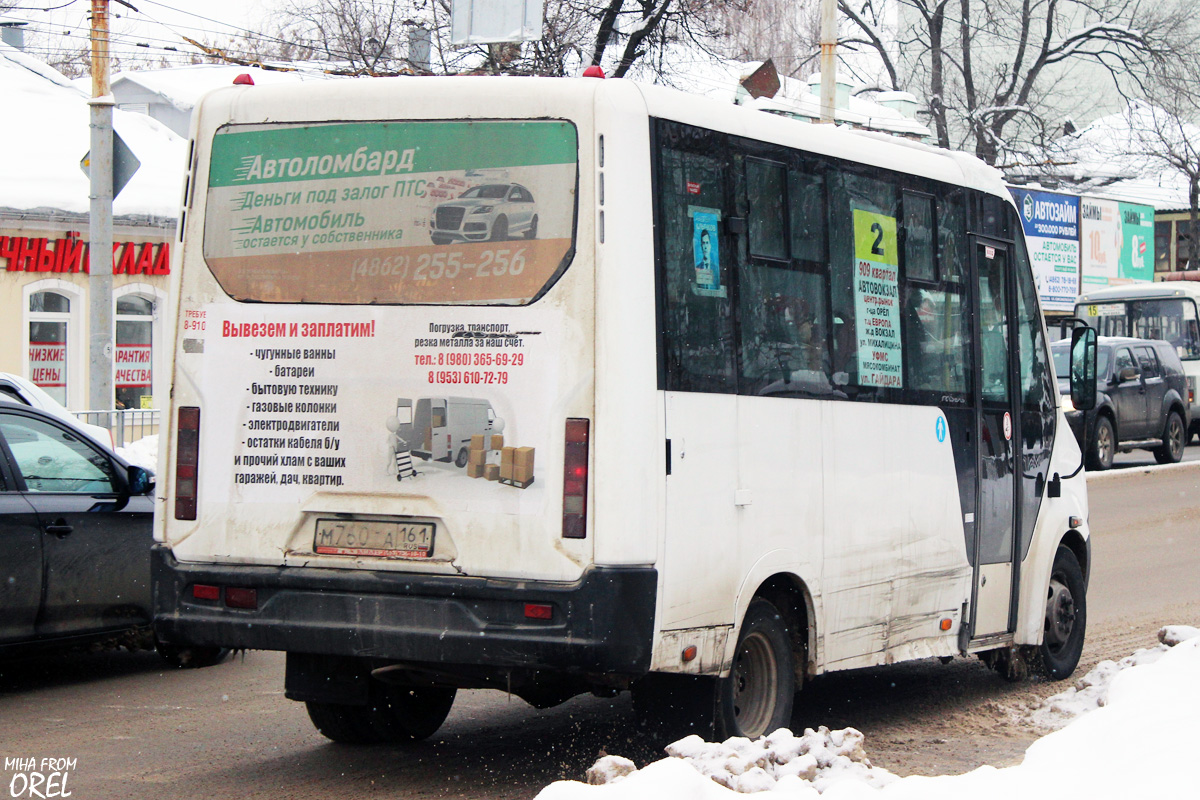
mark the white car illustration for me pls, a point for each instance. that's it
(495, 211)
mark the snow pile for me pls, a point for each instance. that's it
(1140, 741)
(610, 769)
(1091, 691)
(781, 759)
(142, 453)
(799, 766)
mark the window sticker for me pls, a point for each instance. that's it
(706, 251)
(876, 300)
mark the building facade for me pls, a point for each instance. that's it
(44, 307)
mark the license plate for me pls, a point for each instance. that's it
(361, 537)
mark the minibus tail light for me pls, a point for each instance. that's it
(575, 467)
(187, 458)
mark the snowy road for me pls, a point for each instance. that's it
(227, 732)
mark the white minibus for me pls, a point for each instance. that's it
(776, 401)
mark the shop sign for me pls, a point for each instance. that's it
(48, 363)
(70, 254)
(132, 366)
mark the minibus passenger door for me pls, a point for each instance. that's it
(992, 556)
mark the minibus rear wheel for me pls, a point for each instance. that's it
(411, 714)
(756, 698)
(394, 715)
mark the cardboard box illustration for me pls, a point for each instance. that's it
(523, 456)
(516, 466)
(477, 442)
(497, 441)
(491, 472)
(475, 470)
(478, 457)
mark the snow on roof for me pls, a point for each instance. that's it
(700, 74)
(39, 156)
(1112, 158)
(182, 87)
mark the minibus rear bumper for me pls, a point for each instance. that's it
(600, 624)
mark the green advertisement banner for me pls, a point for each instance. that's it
(245, 155)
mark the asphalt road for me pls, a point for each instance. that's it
(138, 730)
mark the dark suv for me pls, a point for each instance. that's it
(1141, 400)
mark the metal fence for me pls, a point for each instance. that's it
(127, 424)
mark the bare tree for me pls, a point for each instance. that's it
(373, 37)
(998, 78)
(786, 31)
(367, 36)
(1164, 136)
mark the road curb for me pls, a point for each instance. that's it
(1117, 473)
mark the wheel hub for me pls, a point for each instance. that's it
(1060, 614)
(754, 685)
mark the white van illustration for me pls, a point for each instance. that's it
(440, 428)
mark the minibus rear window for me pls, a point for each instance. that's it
(453, 212)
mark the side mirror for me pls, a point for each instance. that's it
(1083, 368)
(1128, 374)
(141, 481)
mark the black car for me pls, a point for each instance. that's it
(75, 537)
(1141, 400)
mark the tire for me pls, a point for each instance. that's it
(532, 232)
(411, 714)
(191, 657)
(756, 698)
(1102, 446)
(395, 715)
(461, 459)
(1066, 618)
(343, 724)
(1175, 438)
(500, 229)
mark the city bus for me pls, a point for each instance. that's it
(764, 400)
(1164, 310)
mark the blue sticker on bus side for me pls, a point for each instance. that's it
(939, 427)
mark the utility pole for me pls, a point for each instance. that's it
(828, 59)
(100, 166)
